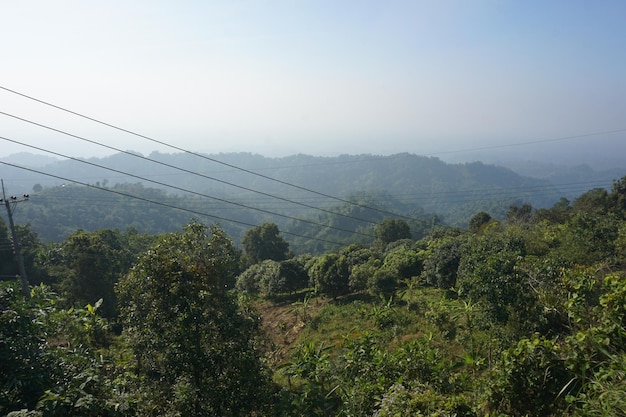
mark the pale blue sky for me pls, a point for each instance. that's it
(317, 77)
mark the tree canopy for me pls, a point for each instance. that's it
(184, 328)
(264, 242)
(390, 230)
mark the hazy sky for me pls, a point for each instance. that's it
(317, 77)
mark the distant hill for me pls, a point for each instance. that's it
(572, 165)
(405, 184)
(30, 160)
(570, 180)
(427, 182)
(600, 152)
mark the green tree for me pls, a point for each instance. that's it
(359, 261)
(588, 238)
(390, 230)
(293, 275)
(618, 196)
(404, 261)
(488, 274)
(30, 247)
(264, 242)
(254, 279)
(559, 213)
(330, 275)
(31, 250)
(196, 352)
(478, 221)
(88, 265)
(383, 277)
(519, 216)
(362, 273)
(594, 201)
(23, 372)
(441, 263)
(383, 281)
(270, 278)
(530, 380)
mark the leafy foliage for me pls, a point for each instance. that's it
(89, 264)
(330, 275)
(264, 242)
(48, 359)
(270, 278)
(478, 221)
(390, 230)
(184, 327)
(441, 263)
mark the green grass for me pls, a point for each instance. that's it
(392, 319)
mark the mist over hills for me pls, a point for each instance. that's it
(596, 157)
(404, 174)
(344, 174)
(418, 187)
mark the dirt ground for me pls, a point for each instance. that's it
(282, 322)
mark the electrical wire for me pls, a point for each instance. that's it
(584, 135)
(270, 195)
(430, 196)
(196, 173)
(186, 190)
(159, 203)
(467, 196)
(197, 154)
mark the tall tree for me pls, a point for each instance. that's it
(330, 274)
(196, 351)
(264, 242)
(519, 216)
(391, 230)
(89, 264)
(478, 220)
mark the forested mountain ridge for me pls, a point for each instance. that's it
(405, 184)
(399, 174)
(341, 175)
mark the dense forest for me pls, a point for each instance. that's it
(514, 315)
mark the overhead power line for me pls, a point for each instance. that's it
(199, 174)
(200, 155)
(160, 203)
(186, 190)
(452, 196)
(456, 196)
(488, 147)
(461, 198)
(607, 132)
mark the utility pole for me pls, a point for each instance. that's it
(10, 204)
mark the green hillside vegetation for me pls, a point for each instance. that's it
(56, 212)
(515, 315)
